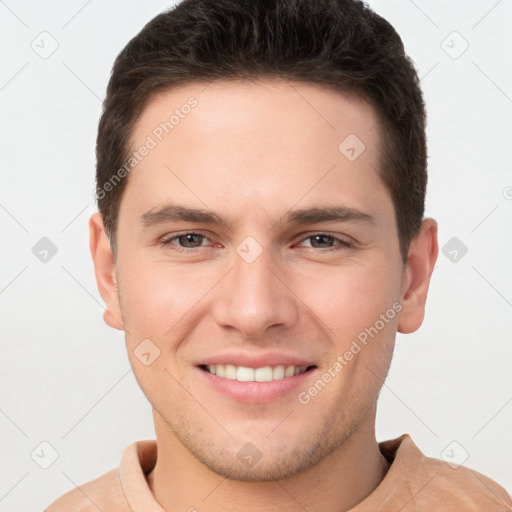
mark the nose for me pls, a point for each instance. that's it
(255, 296)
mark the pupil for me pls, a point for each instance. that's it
(317, 237)
(189, 238)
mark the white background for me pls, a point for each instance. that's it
(65, 375)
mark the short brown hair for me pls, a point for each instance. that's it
(335, 43)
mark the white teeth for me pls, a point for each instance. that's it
(300, 369)
(263, 374)
(230, 371)
(245, 374)
(278, 372)
(289, 372)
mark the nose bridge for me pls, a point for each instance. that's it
(253, 298)
(252, 272)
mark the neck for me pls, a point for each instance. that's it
(338, 483)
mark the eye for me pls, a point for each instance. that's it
(326, 241)
(191, 242)
(186, 242)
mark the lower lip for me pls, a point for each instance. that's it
(256, 392)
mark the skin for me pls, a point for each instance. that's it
(251, 152)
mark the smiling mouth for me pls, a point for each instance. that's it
(263, 374)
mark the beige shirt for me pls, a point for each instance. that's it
(413, 483)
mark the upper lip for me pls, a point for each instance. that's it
(252, 361)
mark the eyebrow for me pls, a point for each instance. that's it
(313, 215)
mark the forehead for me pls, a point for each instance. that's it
(248, 106)
(249, 143)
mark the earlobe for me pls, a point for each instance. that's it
(105, 271)
(421, 259)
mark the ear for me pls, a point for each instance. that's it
(105, 270)
(421, 259)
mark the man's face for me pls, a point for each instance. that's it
(262, 291)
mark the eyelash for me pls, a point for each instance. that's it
(167, 242)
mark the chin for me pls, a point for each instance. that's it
(268, 468)
(267, 460)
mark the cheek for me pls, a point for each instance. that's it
(161, 300)
(349, 298)
(158, 308)
(151, 296)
